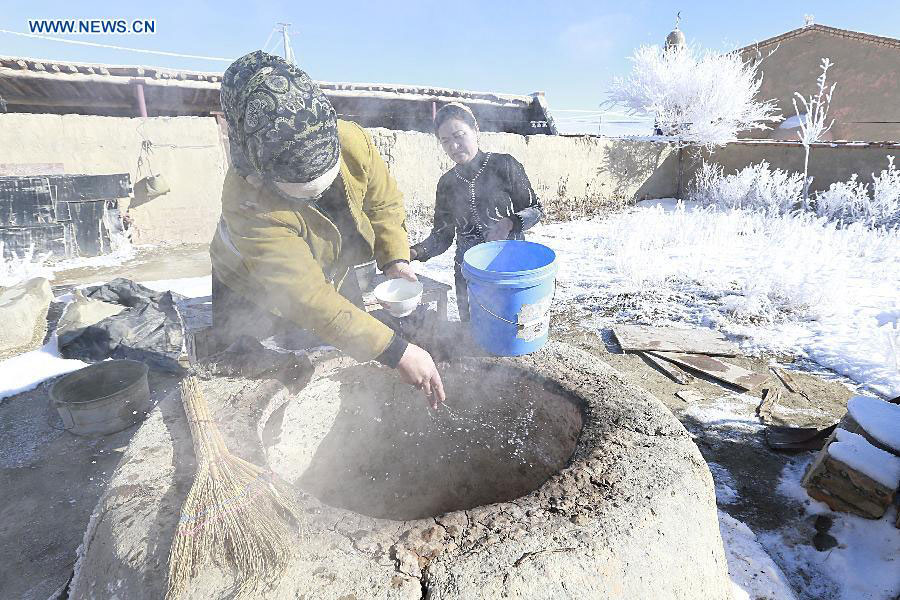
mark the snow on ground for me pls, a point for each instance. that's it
(783, 284)
(191, 287)
(13, 271)
(26, 371)
(730, 415)
(726, 486)
(865, 565)
(754, 574)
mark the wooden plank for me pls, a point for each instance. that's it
(431, 291)
(690, 341)
(789, 382)
(717, 369)
(689, 396)
(766, 408)
(670, 369)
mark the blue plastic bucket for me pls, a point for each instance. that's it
(511, 285)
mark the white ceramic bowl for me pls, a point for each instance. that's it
(399, 297)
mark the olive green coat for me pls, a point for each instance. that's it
(287, 256)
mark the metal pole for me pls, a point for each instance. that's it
(288, 53)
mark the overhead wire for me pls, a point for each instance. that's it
(269, 39)
(113, 47)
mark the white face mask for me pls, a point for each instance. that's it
(311, 189)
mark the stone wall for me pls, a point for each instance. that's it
(187, 150)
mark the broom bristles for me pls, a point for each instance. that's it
(234, 515)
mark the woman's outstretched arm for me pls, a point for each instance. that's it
(526, 205)
(443, 229)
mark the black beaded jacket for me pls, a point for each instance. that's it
(472, 197)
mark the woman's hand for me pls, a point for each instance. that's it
(401, 270)
(417, 368)
(500, 230)
(413, 253)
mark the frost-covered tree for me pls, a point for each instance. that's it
(696, 96)
(813, 121)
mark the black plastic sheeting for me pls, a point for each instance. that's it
(63, 215)
(148, 330)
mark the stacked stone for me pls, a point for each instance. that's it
(858, 469)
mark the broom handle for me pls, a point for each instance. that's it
(207, 439)
(209, 444)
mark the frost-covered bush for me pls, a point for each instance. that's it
(697, 96)
(852, 201)
(756, 187)
(775, 191)
(843, 199)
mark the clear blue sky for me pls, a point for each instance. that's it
(569, 49)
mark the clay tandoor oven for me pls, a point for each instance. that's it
(544, 476)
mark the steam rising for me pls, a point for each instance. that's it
(364, 441)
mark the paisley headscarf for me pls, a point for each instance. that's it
(281, 126)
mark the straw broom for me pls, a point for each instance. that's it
(234, 515)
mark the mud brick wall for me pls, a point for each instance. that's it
(573, 175)
(188, 151)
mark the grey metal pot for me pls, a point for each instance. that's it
(103, 398)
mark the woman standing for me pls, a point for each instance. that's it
(485, 197)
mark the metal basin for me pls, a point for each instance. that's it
(103, 398)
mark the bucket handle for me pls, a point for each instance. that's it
(519, 326)
(70, 429)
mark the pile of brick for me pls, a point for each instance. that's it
(858, 469)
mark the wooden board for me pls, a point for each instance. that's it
(789, 382)
(634, 338)
(432, 291)
(717, 369)
(670, 369)
(689, 396)
(766, 408)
